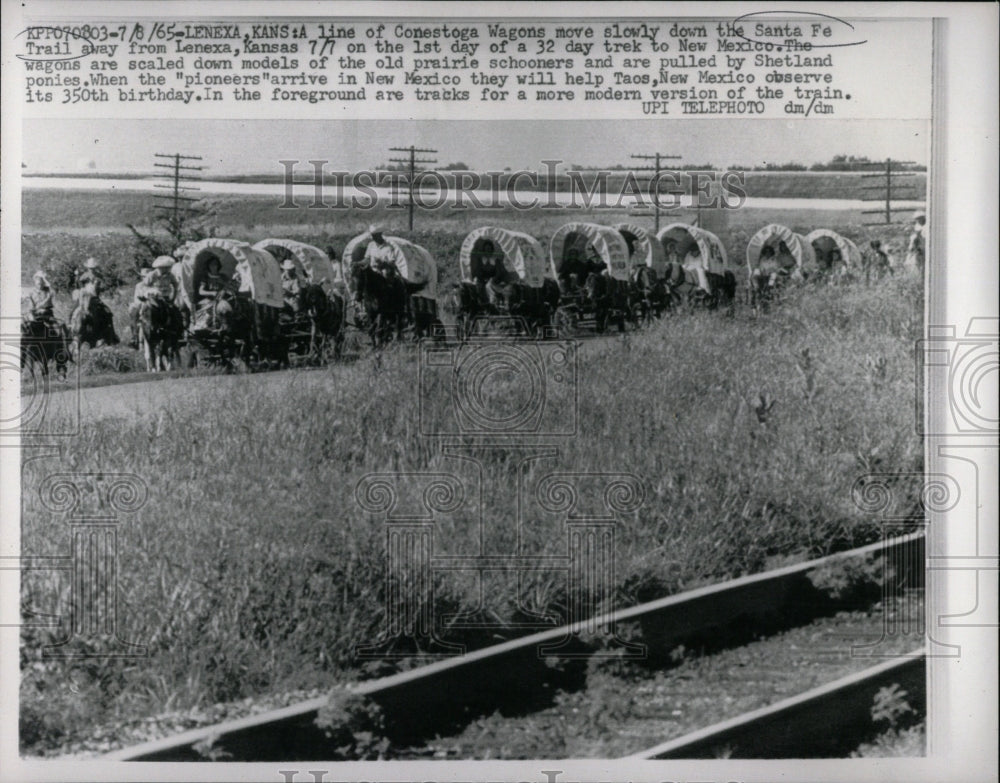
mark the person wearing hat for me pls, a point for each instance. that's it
(88, 288)
(379, 254)
(88, 283)
(140, 293)
(42, 299)
(161, 281)
(916, 248)
(291, 286)
(156, 284)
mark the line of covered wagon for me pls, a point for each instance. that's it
(238, 302)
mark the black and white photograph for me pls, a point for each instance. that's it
(540, 392)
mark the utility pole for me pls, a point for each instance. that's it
(656, 157)
(412, 162)
(175, 208)
(890, 187)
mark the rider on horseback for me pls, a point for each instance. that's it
(157, 285)
(88, 297)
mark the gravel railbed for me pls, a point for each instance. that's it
(618, 714)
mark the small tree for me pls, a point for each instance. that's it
(180, 216)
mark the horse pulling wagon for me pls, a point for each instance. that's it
(696, 266)
(395, 294)
(776, 255)
(591, 264)
(503, 285)
(313, 317)
(230, 295)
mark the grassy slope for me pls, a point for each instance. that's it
(252, 569)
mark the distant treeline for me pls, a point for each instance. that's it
(844, 163)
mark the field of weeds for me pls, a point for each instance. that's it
(252, 568)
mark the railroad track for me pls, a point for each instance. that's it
(444, 696)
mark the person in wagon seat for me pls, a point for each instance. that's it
(211, 285)
(379, 254)
(41, 299)
(291, 285)
(491, 277)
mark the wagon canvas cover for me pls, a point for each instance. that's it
(523, 256)
(260, 277)
(823, 240)
(647, 251)
(311, 262)
(608, 242)
(771, 236)
(711, 252)
(414, 262)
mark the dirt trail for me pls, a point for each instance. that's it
(134, 400)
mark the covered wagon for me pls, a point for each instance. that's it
(776, 254)
(579, 248)
(504, 283)
(231, 292)
(591, 263)
(697, 264)
(415, 264)
(789, 251)
(649, 294)
(313, 264)
(409, 300)
(643, 248)
(835, 255)
(314, 315)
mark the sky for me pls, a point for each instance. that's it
(256, 146)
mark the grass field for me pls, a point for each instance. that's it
(252, 569)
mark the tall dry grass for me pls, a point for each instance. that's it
(252, 568)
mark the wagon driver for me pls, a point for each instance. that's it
(379, 254)
(211, 286)
(491, 277)
(693, 263)
(41, 299)
(291, 285)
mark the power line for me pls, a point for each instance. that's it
(656, 157)
(412, 161)
(177, 208)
